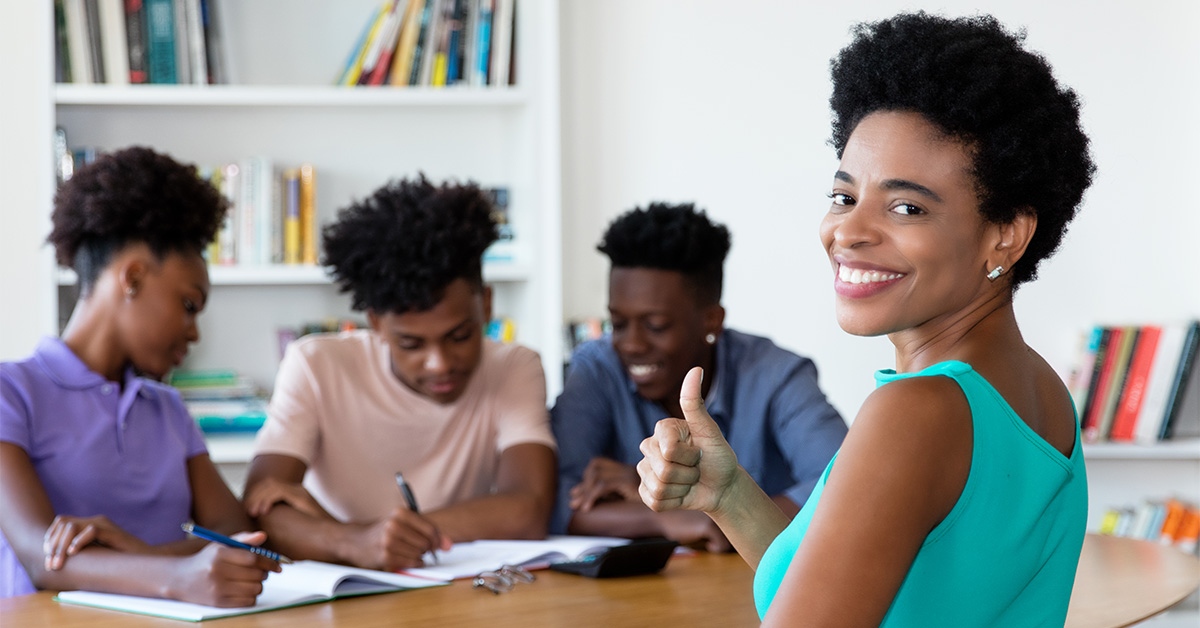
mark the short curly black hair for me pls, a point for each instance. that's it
(671, 237)
(971, 78)
(398, 249)
(132, 195)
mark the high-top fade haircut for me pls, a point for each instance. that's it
(679, 238)
(398, 249)
(135, 195)
(973, 79)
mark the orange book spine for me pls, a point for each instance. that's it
(308, 214)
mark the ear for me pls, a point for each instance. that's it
(1011, 239)
(374, 321)
(131, 275)
(713, 317)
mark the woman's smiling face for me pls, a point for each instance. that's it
(904, 232)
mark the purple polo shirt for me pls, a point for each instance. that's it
(98, 448)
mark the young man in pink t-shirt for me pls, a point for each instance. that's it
(421, 393)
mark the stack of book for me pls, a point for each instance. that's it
(1171, 522)
(221, 400)
(273, 213)
(502, 329)
(434, 43)
(1134, 384)
(120, 42)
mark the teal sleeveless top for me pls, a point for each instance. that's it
(1006, 553)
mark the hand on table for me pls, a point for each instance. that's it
(603, 479)
(223, 576)
(67, 535)
(269, 491)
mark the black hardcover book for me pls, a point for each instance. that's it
(135, 34)
(1179, 386)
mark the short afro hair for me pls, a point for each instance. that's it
(132, 195)
(971, 78)
(398, 249)
(671, 237)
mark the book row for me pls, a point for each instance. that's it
(1172, 522)
(272, 217)
(435, 43)
(1133, 384)
(122, 42)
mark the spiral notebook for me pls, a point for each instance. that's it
(303, 582)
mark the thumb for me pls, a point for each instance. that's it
(700, 424)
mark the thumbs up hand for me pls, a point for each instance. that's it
(688, 464)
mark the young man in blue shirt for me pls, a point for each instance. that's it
(665, 305)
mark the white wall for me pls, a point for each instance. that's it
(26, 293)
(725, 103)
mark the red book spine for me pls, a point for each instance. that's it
(1130, 405)
(1091, 426)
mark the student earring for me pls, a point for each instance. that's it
(711, 339)
(995, 273)
(130, 292)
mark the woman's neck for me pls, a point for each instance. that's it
(91, 336)
(968, 335)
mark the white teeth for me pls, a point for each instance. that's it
(859, 276)
(640, 370)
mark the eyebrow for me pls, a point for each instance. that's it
(895, 184)
(403, 336)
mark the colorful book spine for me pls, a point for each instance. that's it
(406, 46)
(414, 76)
(483, 48)
(1179, 384)
(160, 40)
(291, 221)
(135, 36)
(231, 182)
(308, 215)
(1129, 405)
(1158, 386)
(1095, 402)
(114, 41)
(387, 48)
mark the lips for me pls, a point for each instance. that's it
(861, 282)
(442, 387)
(643, 373)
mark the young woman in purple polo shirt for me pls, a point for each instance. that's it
(99, 462)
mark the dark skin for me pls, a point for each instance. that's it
(660, 329)
(140, 312)
(905, 207)
(435, 353)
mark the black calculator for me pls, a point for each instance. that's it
(640, 556)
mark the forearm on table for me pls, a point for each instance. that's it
(749, 518)
(617, 518)
(299, 535)
(499, 516)
(108, 571)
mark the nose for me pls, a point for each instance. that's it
(631, 341)
(855, 227)
(435, 361)
(193, 331)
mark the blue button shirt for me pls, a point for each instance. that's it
(765, 399)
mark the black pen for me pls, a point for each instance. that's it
(209, 535)
(411, 500)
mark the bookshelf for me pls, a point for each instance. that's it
(280, 104)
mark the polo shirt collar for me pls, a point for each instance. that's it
(68, 371)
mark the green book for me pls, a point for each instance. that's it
(302, 582)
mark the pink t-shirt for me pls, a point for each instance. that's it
(338, 407)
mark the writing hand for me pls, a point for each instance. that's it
(604, 478)
(67, 535)
(269, 491)
(397, 542)
(224, 576)
(688, 464)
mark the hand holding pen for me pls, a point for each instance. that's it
(228, 572)
(411, 501)
(209, 535)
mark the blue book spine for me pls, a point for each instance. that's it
(160, 40)
(485, 40)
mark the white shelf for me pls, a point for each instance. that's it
(230, 448)
(286, 96)
(287, 275)
(1164, 450)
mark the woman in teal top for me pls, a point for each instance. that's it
(959, 495)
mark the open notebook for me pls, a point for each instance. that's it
(303, 582)
(464, 560)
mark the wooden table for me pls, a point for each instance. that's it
(1120, 582)
(1123, 581)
